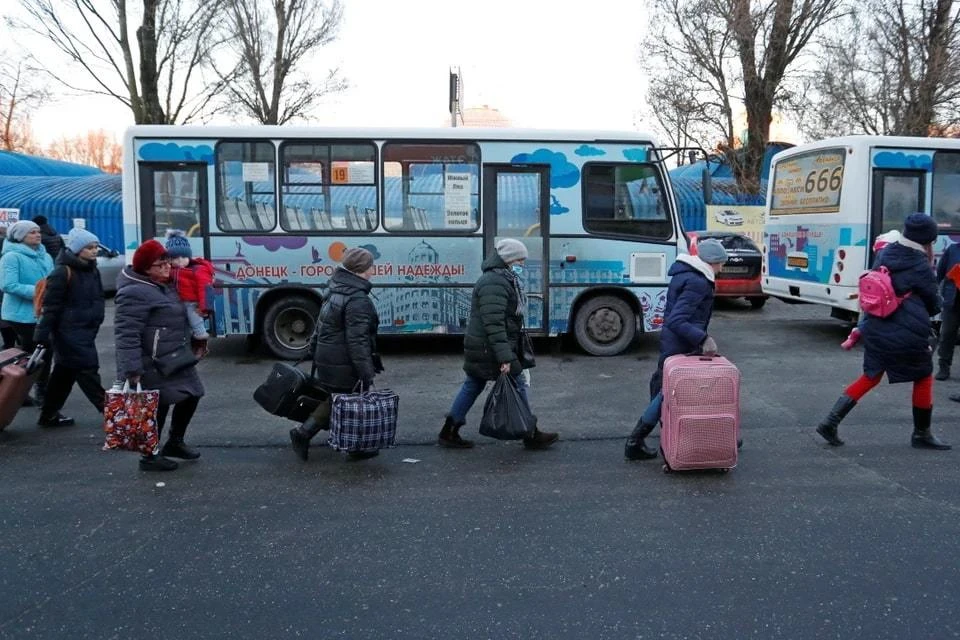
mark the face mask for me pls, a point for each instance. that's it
(517, 269)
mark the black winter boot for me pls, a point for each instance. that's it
(943, 373)
(300, 438)
(175, 448)
(450, 436)
(157, 463)
(56, 420)
(540, 439)
(828, 428)
(636, 448)
(922, 436)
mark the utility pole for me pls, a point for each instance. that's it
(456, 93)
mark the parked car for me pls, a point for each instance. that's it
(728, 217)
(740, 276)
(109, 263)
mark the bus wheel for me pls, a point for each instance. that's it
(288, 326)
(757, 302)
(605, 326)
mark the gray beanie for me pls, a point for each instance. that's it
(511, 250)
(711, 251)
(19, 230)
(79, 238)
(357, 260)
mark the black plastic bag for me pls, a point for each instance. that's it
(505, 415)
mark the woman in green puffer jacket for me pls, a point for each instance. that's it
(490, 344)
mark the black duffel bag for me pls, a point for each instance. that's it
(290, 393)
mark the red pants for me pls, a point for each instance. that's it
(922, 390)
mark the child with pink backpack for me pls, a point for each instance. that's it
(898, 344)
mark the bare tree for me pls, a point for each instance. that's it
(890, 68)
(739, 51)
(94, 148)
(770, 36)
(156, 72)
(20, 91)
(271, 46)
(691, 49)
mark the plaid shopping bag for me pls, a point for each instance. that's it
(130, 419)
(365, 421)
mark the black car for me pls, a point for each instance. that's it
(740, 277)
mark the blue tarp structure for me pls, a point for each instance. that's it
(95, 198)
(18, 164)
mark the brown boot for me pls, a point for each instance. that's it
(540, 439)
(450, 436)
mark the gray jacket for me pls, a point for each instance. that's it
(150, 318)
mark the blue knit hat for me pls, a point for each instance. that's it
(78, 238)
(177, 244)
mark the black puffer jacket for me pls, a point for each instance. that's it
(345, 342)
(73, 310)
(51, 240)
(495, 323)
(900, 344)
(151, 317)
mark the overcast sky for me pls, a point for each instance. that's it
(542, 63)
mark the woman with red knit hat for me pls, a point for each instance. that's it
(151, 323)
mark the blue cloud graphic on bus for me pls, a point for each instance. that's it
(900, 160)
(156, 151)
(555, 207)
(372, 248)
(563, 174)
(636, 155)
(587, 150)
(275, 243)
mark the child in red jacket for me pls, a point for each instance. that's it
(192, 277)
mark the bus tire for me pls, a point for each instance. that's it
(605, 326)
(288, 326)
(757, 302)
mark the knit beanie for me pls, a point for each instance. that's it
(357, 260)
(920, 228)
(177, 244)
(511, 250)
(19, 230)
(78, 238)
(146, 254)
(711, 251)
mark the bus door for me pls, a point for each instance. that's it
(173, 195)
(516, 204)
(896, 194)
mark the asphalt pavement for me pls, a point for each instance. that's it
(800, 541)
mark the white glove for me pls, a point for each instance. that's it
(709, 347)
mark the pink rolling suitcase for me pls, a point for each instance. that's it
(701, 413)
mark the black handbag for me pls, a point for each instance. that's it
(176, 361)
(290, 393)
(528, 360)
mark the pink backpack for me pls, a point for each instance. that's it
(877, 296)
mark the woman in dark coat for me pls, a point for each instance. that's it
(151, 320)
(491, 342)
(900, 345)
(344, 345)
(685, 323)
(72, 312)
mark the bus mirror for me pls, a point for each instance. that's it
(707, 187)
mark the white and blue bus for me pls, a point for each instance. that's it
(274, 208)
(828, 201)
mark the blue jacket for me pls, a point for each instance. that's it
(900, 344)
(21, 267)
(689, 307)
(949, 259)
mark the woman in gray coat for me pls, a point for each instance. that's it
(152, 322)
